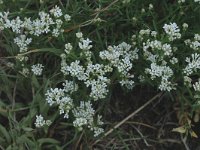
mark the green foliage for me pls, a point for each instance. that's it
(105, 22)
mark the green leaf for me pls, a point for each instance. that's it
(35, 82)
(27, 129)
(5, 133)
(48, 140)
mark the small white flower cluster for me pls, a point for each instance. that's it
(197, 1)
(74, 69)
(70, 86)
(160, 55)
(68, 48)
(61, 97)
(145, 33)
(84, 115)
(194, 44)
(25, 71)
(37, 69)
(54, 96)
(187, 81)
(121, 57)
(159, 71)
(56, 12)
(185, 26)
(164, 72)
(172, 30)
(183, 1)
(155, 46)
(93, 76)
(46, 23)
(97, 80)
(40, 122)
(196, 86)
(22, 42)
(150, 6)
(98, 87)
(85, 46)
(193, 64)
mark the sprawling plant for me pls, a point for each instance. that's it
(71, 75)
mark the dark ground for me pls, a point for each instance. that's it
(150, 129)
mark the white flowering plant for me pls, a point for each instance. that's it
(61, 61)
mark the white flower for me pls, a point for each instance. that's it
(22, 58)
(197, 1)
(85, 44)
(37, 69)
(98, 87)
(56, 12)
(197, 37)
(14, 24)
(55, 32)
(84, 116)
(172, 30)
(159, 71)
(22, 42)
(68, 48)
(166, 85)
(143, 10)
(75, 70)
(25, 71)
(40, 122)
(70, 86)
(40, 25)
(187, 81)
(67, 17)
(79, 35)
(195, 43)
(129, 84)
(65, 105)
(150, 6)
(167, 49)
(174, 60)
(154, 33)
(196, 86)
(185, 26)
(54, 96)
(193, 64)
(143, 33)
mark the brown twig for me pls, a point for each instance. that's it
(129, 116)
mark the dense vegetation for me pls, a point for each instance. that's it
(74, 73)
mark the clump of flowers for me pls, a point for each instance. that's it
(37, 69)
(40, 122)
(88, 73)
(172, 30)
(84, 117)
